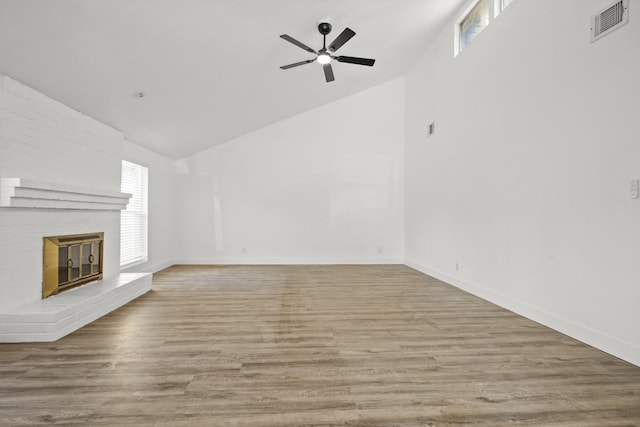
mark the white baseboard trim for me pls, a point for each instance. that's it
(621, 349)
(285, 261)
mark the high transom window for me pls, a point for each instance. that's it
(479, 16)
(472, 24)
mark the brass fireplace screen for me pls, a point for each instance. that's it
(70, 261)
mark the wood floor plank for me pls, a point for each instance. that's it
(378, 345)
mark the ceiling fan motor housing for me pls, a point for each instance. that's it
(324, 28)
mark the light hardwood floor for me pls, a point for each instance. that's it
(313, 346)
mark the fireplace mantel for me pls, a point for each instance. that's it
(33, 194)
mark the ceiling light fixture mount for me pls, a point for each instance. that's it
(324, 28)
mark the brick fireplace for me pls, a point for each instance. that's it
(63, 262)
(59, 175)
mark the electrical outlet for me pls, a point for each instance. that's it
(634, 188)
(431, 129)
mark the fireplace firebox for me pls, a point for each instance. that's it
(71, 260)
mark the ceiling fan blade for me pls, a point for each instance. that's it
(297, 43)
(354, 60)
(328, 72)
(286, 67)
(344, 37)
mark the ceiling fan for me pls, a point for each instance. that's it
(324, 55)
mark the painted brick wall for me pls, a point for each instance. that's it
(43, 139)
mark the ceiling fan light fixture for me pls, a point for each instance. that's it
(324, 58)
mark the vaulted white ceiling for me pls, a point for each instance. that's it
(209, 69)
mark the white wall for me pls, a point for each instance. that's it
(522, 195)
(45, 140)
(321, 187)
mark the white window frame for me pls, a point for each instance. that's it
(503, 6)
(134, 220)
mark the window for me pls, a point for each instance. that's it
(133, 220)
(478, 17)
(505, 3)
(475, 21)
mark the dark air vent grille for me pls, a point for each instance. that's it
(609, 19)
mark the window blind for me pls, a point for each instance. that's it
(133, 220)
